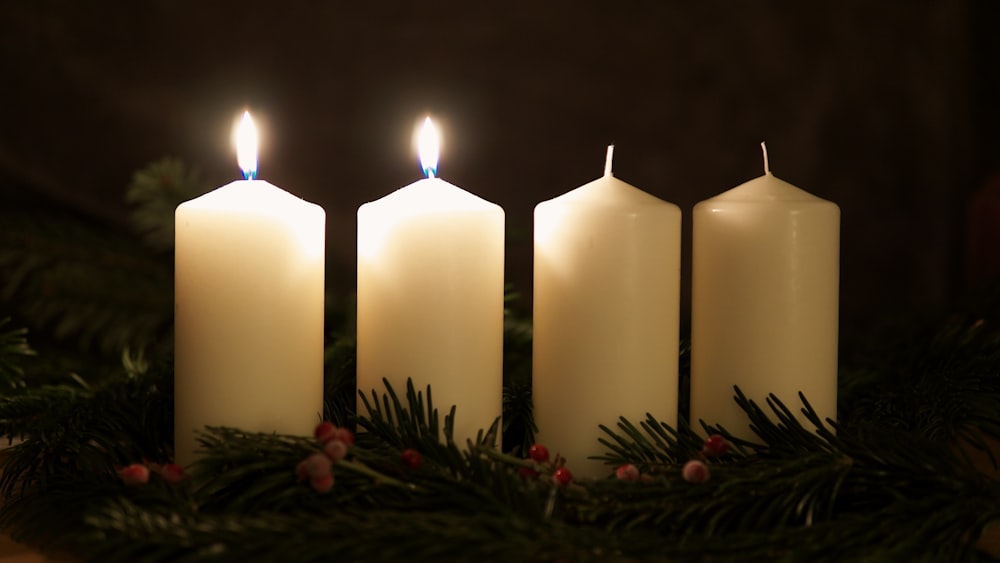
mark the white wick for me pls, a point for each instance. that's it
(767, 168)
(607, 162)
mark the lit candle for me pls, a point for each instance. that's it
(430, 295)
(764, 301)
(606, 315)
(248, 308)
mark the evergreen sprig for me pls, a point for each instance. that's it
(799, 493)
(154, 194)
(800, 480)
(13, 346)
(77, 282)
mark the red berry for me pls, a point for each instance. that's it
(411, 458)
(344, 435)
(316, 465)
(135, 475)
(695, 471)
(172, 473)
(627, 472)
(715, 446)
(335, 450)
(562, 476)
(538, 453)
(322, 484)
(527, 473)
(325, 431)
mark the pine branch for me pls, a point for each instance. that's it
(83, 284)
(800, 480)
(340, 380)
(826, 493)
(13, 347)
(91, 429)
(382, 535)
(518, 422)
(155, 192)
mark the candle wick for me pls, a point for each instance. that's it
(767, 167)
(607, 162)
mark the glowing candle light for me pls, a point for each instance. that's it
(430, 294)
(606, 314)
(248, 308)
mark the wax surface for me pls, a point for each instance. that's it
(606, 313)
(765, 286)
(430, 299)
(248, 313)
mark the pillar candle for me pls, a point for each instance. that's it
(606, 313)
(764, 301)
(248, 309)
(430, 296)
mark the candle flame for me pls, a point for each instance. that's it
(246, 146)
(429, 147)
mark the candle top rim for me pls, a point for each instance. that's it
(611, 191)
(243, 195)
(768, 188)
(427, 194)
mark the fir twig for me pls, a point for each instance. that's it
(155, 192)
(92, 287)
(13, 346)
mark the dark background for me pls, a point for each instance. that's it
(888, 108)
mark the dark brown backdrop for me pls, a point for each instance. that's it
(887, 108)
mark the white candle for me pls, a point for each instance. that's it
(606, 314)
(430, 296)
(248, 309)
(764, 301)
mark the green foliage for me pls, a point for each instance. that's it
(13, 344)
(799, 493)
(518, 423)
(83, 284)
(155, 192)
(943, 384)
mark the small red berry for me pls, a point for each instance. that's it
(411, 458)
(539, 453)
(562, 476)
(322, 484)
(335, 450)
(316, 465)
(695, 471)
(344, 435)
(325, 431)
(135, 475)
(715, 446)
(627, 472)
(527, 473)
(172, 473)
